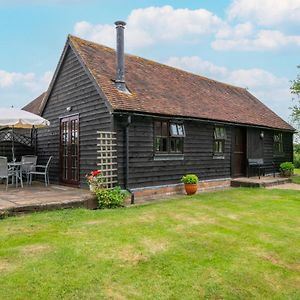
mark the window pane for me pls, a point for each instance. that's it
(157, 128)
(176, 129)
(165, 130)
(219, 147)
(173, 129)
(161, 144)
(164, 145)
(176, 145)
(157, 144)
(220, 133)
(180, 129)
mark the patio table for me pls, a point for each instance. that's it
(16, 165)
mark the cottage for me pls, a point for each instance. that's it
(148, 126)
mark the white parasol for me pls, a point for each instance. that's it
(17, 118)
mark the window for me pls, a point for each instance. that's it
(278, 143)
(219, 140)
(168, 137)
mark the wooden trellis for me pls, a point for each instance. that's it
(107, 157)
(8, 135)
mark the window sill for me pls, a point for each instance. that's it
(279, 155)
(168, 157)
(218, 157)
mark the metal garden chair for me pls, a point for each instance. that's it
(41, 170)
(28, 164)
(5, 172)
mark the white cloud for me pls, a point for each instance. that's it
(272, 90)
(262, 40)
(19, 88)
(197, 65)
(266, 12)
(8, 79)
(147, 26)
(153, 25)
(98, 33)
(238, 31)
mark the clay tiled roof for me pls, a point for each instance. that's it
(35, 105)
(159, 89)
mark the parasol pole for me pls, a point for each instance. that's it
(13, 145)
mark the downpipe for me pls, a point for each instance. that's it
(127, 159)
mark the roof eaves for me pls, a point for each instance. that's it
(145, 114)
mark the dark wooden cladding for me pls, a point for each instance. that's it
(264, 147)
(73, 88)
(198, 156)
(256, 143)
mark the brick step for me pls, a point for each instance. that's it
(256, 182)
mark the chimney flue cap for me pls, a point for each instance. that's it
(120, 23)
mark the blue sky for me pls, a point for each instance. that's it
(253, 44)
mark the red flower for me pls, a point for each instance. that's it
(95, 173)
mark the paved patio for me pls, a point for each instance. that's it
(38, 197)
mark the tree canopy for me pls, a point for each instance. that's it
(295, 89)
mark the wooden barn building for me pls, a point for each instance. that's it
(150, 125)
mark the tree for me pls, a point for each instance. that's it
(295, 89)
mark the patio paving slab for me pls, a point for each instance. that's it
(38, 197)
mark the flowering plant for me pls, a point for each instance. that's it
(95, 179)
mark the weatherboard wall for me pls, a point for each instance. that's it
(73, 88)
(148, 169)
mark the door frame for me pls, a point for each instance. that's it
(61, 181)
(233, 132)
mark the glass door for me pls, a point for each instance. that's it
(69, 150)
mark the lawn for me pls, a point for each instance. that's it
(234, 244)
(296, 178)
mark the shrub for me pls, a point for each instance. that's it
(190, 179)
(110, 198)
(287, 168)
(297, 160)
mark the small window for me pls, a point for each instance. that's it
(278, 143)
(168, 137)
(219, 140)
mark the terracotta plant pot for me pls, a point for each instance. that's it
(191, 188)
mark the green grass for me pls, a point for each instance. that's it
(296, 178)
(235, 244)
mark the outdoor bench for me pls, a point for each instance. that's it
(256, 164)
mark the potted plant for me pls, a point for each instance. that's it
(286, 169)
(190, 183)
(95, 180)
